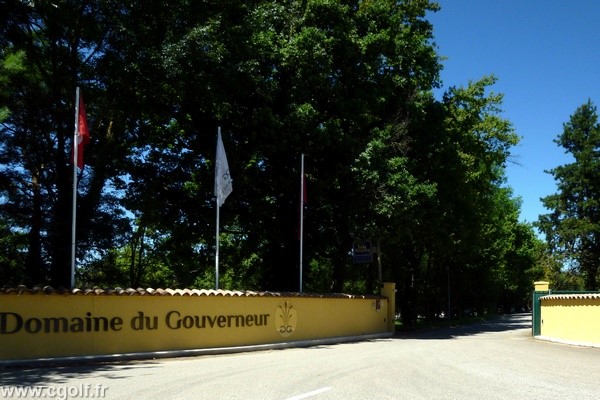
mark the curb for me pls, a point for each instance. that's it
(113, 358)
(567, 342)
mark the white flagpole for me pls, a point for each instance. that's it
(74, 210)
(301, 215)
(218, 207)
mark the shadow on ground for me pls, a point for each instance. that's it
(501, 323)
(60, 374)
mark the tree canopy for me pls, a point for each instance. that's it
(348, 83)
(572, 227)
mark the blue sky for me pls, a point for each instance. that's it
(546, 56)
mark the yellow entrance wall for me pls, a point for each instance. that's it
(573, 318)
(39, 325)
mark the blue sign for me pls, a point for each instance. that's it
(362, 252)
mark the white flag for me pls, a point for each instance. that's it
(223, 182)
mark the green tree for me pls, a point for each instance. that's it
(11, 64)
(463, 147)
(282, 79)
(348, 83)
(58, 44)
(554, 270)
(572, 227)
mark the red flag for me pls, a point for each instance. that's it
(303, 201)
(83, 133)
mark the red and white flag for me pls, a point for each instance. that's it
(83, 133)
(303, 200)
(304, 197)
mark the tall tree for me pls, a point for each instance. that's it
(572, 227)
(348, 83)
(446, 213)
(59, 43)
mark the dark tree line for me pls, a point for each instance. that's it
(348, 83)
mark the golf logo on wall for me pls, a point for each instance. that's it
(286, 319)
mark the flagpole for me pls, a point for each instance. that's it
(301, 215)
(217, 252)
(74, 203)
(218, 208)
(223, 187)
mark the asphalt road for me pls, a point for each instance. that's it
(493, 360)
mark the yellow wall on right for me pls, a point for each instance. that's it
(572, 318)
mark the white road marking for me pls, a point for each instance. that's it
(309, 394)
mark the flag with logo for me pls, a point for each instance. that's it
(223, 181)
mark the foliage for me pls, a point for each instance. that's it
(348, 83)
(572, 227)
(554, 271)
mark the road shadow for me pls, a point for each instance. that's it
(502, 323)
(57, 374)
(61, 374)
